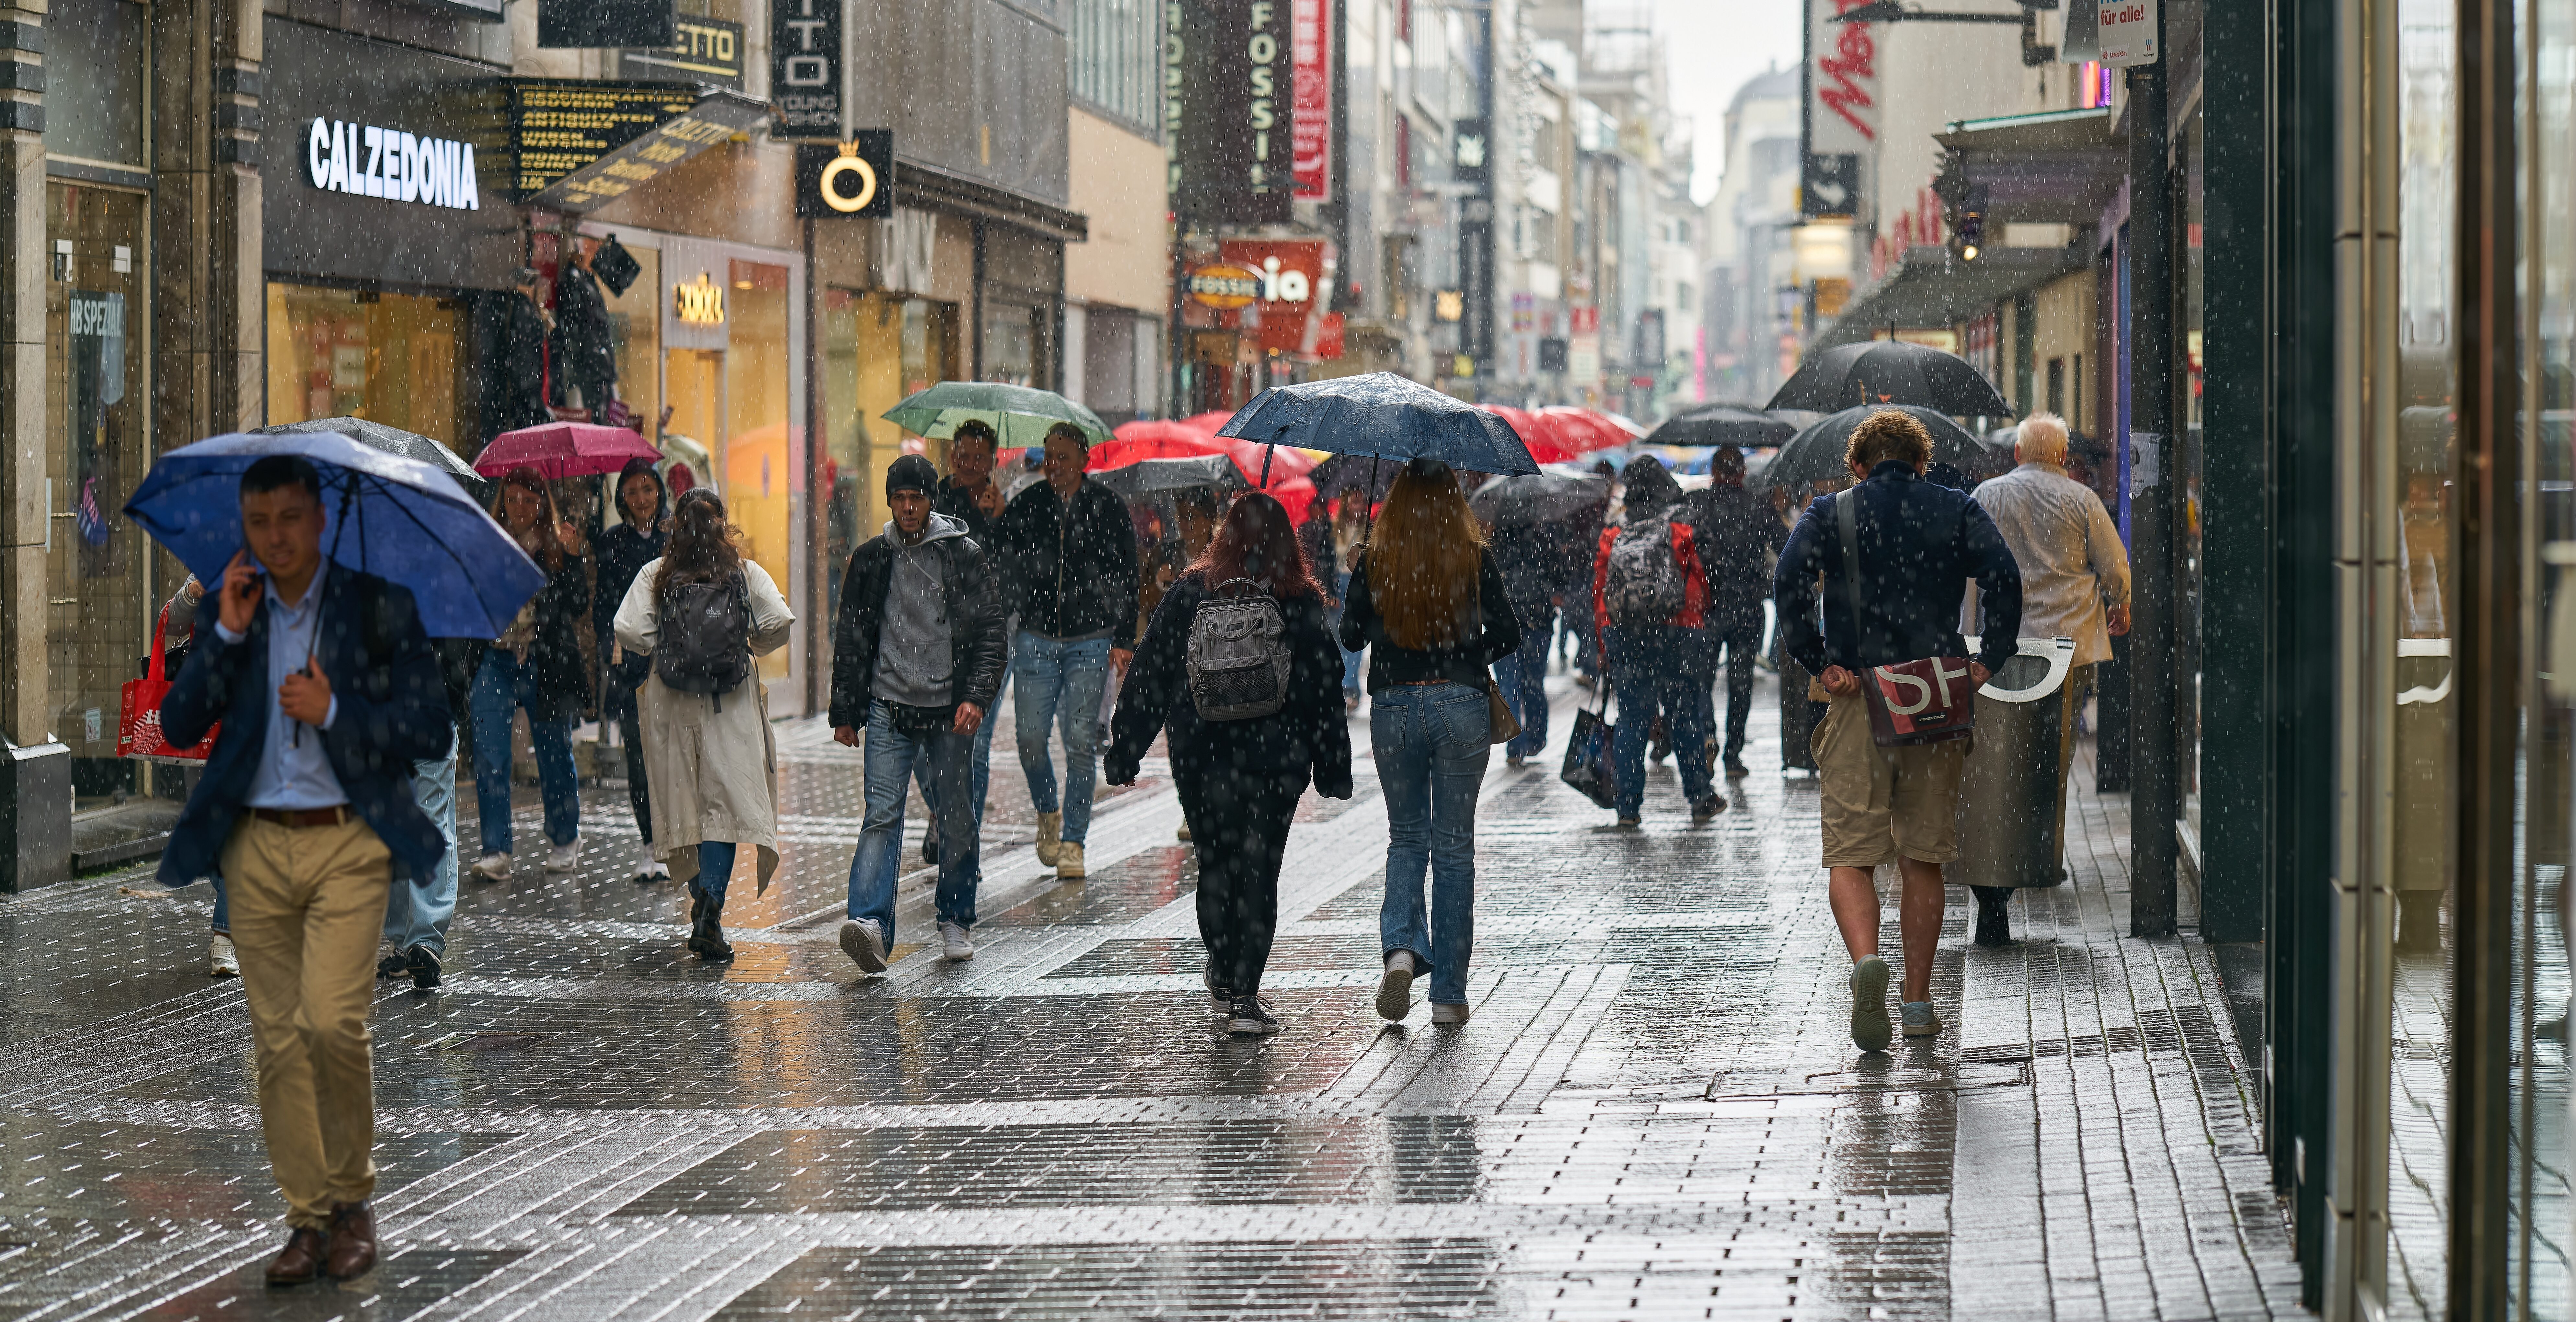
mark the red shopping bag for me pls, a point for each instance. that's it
(138, 719)
(1921, 702)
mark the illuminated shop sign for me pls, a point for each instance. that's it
(700, 302)
(851, 178)
(1225, 286)
(368, 160)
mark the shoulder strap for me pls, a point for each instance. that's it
(1846, 518)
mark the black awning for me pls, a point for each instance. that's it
(2057, 168)
(1935, 287)
(554, 124)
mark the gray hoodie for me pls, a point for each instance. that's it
(914, 655)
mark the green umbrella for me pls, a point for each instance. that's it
(1020, 415)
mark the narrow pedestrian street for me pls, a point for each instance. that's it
(1656, 1110)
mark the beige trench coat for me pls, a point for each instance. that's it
(714, 774)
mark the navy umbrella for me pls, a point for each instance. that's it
(394, 517)
(1382, 416)
(1816, 454)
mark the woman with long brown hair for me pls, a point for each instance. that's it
(707, 746)
(1428, 602)
(537, 664)
(1240, 768)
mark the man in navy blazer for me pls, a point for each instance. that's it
(327, 691)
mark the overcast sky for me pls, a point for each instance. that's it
(1714, 46)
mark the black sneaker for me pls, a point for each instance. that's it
(1736, 770)
(392, 966)
(422, 963)
(1222, 996)
(1250, 1017)
(1704, 808)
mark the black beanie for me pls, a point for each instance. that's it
(911, 473)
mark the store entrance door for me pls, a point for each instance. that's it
(695, 380)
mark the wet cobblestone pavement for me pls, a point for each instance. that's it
(1655, 1111)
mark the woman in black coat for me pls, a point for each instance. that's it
(1239, 780)
(644, 506)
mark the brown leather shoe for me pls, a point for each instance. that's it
(353, 1241)
(300, 1260)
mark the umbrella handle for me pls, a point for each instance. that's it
(1268, 452)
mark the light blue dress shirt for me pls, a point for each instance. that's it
(292, 773)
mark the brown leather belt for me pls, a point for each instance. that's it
(303, 817)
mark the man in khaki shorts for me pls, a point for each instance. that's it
(1919, 545)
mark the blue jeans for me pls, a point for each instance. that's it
(893, 760)
(1354, 662)
(1648, 671)
(1522, 676)
(1431, 752)
(715, 869)
(980, 766)
(418, 910)
(1058, 679)
(499, 687)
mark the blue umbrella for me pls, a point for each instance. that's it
(1382, 416)
(390, 516)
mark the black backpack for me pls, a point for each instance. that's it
(705, 645)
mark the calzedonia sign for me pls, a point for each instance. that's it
(371, 160)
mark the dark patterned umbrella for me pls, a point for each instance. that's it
(1891, 372)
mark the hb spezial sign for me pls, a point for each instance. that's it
(805, 69)
(854, 178)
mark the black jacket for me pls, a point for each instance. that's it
(974, 625)
(958, 503)
(1309, 734)
(516, 395)
(1919, 544)
(584, 354)
(622, 552)
(1070, 579)
(1498, 637)
(1738, 536)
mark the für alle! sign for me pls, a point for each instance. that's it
(2128, 32)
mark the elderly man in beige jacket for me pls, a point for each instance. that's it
(2074, 571)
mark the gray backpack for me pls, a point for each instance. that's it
(1238, 657)
(1644, 585)
(705, 645)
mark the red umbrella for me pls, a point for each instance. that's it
(1249, 456)
(1547, 443)
(1173, 443)
(564, 449)
(1584, 428)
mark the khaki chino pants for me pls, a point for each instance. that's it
(1884, 803)
(308, 907)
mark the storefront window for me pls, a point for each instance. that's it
(635, 328)
(757, 462)
(2423, 803)
(94, 63)
(2187, 562)
(99, 576)
(1015, 343)
(2541, 1213)
(387, 357)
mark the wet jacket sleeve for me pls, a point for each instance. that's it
(1502, 623)
(854, 637)
(1998, 584)
(1153, 679)
(980, 616)
(1316, 671)
(1120, 575)
(1793, 586)
(1359, 610)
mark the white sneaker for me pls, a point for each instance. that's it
(1448, 1014)
(492, 867)
(220, 960)
(645, 862)
(564, 857)
(957, 945)
(864, 944)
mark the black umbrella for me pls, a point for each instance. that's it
(1146, 476)
(1891, 372)
(1540, 498)
(1383, 416)
(1816, 454)
(394, 440)
(1722, 424)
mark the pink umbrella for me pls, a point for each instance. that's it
(564, 449)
